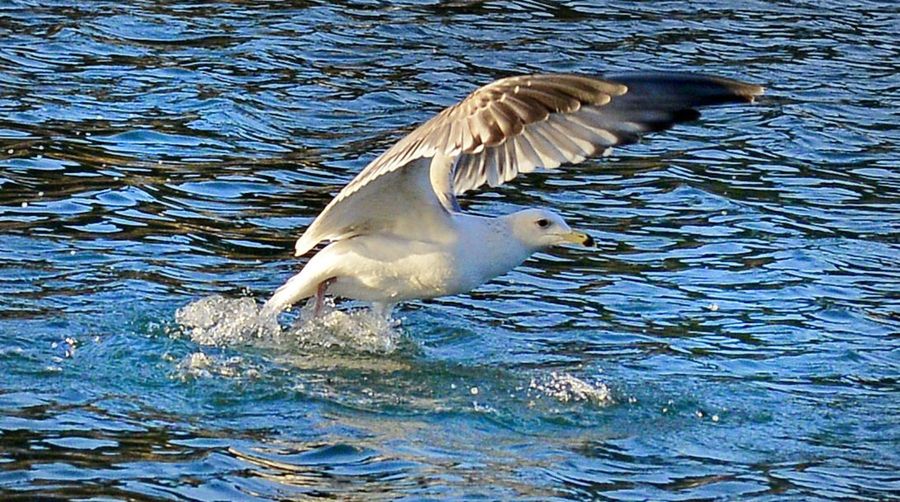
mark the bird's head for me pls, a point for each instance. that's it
(540, 229)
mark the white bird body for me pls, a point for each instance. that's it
(387, 269)
(396, 231)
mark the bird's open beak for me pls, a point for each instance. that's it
(579, 238)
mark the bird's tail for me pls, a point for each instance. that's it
(298, 287)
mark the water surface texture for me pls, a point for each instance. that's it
(737, 333)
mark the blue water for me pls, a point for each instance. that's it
(737, 334)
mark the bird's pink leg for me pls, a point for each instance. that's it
(320, 295)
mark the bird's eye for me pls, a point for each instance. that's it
(543, 223)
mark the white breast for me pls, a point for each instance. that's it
(387, 269)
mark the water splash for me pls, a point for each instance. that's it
(566, 388)
(357, 330)
(219, 321)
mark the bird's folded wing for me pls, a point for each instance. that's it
(400, 202)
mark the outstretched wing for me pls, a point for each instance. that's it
(564, 126)
(519, 125)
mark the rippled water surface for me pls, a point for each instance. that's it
(737, 334)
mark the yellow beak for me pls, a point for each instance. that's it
(579, 238)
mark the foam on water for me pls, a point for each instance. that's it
(220, 321)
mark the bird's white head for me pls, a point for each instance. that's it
(540, 229)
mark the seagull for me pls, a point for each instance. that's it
(396, 231)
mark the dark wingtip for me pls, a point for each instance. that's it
(687, 89)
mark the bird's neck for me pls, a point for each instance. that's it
(491, 243)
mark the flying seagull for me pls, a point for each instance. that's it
(396, 231)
